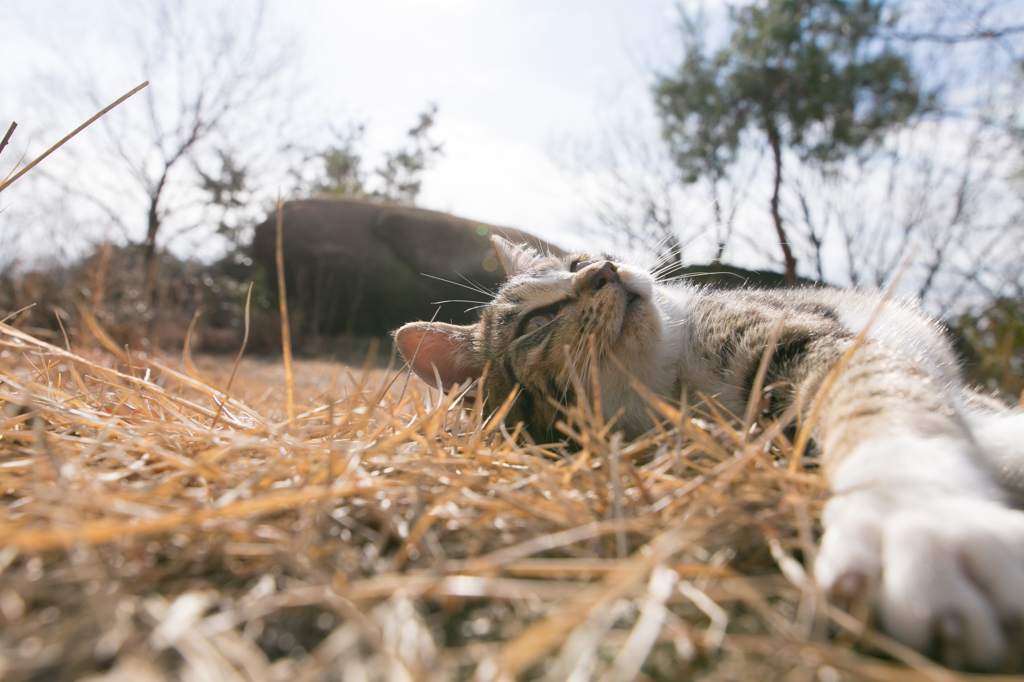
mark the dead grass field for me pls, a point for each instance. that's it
(156, 526)
(154, 529)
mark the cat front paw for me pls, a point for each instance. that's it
(945, 575)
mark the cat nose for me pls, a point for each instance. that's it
(606, 273)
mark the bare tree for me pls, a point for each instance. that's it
(632, 193)
(996, 22)
(812, 78)
(339, 169)
(955, 214)
(942, 189)
(218, 75)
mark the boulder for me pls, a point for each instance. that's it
(359, 267)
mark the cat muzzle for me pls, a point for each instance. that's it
(606, 274)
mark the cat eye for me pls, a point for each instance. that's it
(536, 319)
(536, 322)
(578, 265)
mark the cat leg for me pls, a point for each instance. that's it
(915, 528)
(917, 524)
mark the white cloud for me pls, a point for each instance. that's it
(508, 76)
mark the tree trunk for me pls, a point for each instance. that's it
(776, 142)
(717, 260)
(149, 254)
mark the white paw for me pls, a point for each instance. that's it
(945, 574)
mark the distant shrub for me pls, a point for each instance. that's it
(996, 335)
(108, 282)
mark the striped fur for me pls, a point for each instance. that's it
(918, 523)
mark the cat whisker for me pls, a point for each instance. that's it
(576, 351)
(672, 257)
(479, 287)
(643, 245)
(575, 359)
(692, 275)
(667, 261)
(573, 375)
(563, 398)
(489, 294)
(665, 264)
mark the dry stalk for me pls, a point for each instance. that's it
(10, 181)
(7, 136)
(821, 394)
(238, 359)
(286, 332)
(371, 530)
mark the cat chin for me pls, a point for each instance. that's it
(633, 317)
(640, 327)
(639, 290)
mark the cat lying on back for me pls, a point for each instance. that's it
(917, 523)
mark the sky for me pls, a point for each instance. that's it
(514, 82)
(511, 79)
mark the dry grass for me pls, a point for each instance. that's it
(387, 534)
(154, 528)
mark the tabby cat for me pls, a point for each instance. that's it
(918, 523)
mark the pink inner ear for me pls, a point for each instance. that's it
(440, 349)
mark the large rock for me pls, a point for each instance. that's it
(367, 268)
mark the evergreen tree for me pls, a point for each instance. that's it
(399, 179)
(812, 76)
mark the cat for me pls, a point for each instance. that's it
(918, 522)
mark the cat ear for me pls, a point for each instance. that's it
(448, 348)
(514, 258)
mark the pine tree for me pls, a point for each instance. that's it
(813, 76)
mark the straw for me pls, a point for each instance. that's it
(376, 533)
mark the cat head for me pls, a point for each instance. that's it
(537, 331)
